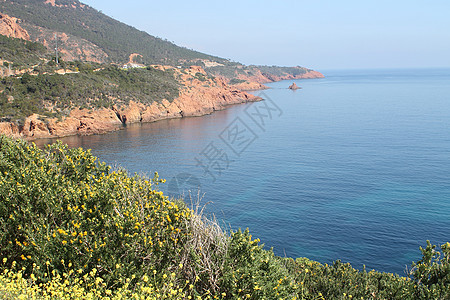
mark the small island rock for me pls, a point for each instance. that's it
(294, 87)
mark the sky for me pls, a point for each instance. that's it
(319, 34)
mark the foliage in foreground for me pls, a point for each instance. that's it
(72, 228)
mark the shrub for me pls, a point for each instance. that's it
(62, 210)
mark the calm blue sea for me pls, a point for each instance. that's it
(354, 166)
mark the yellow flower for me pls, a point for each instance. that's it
(165, 276)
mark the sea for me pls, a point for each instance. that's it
(354, 166)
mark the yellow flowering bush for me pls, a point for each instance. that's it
(62, 210)
(72, 228)
(13, 285)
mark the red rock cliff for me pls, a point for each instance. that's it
(10, 27)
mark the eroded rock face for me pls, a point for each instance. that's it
(10, 27)
(10, 129)
(249, 86)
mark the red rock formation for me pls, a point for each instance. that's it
(51, 2)
(133, 57)
(250, 86)
(10, 27)
(294, 86)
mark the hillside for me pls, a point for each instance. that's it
(116, 39)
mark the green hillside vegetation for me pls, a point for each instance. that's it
(231, 71)
(22, 54)
(117, 39)
(73, 228)
(88, 88)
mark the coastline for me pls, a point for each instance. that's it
(196, 99)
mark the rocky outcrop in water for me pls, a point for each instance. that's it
(294, 87)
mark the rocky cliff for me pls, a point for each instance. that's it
(10, 27)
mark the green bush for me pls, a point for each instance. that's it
(61, 209)
(432, 273)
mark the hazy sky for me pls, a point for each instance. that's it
(320, 34)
